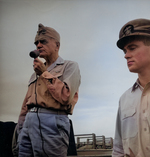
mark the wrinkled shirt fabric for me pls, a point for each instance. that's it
(133, 123)
(56, 88)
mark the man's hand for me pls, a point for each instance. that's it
(39, 66)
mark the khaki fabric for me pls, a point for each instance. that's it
(46, 32)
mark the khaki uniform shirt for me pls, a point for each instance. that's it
(56, 88)
(133, 123)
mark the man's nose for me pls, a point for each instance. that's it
(39, 45)
(127, 55)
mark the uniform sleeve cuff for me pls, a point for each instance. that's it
(47, 75)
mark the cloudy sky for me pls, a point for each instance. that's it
(89, 30)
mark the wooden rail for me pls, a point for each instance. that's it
(95, 152)
(91, 141)
(86, 140)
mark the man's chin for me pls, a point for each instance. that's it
(133, 70)
(41, 56)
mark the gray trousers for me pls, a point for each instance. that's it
(44, 134)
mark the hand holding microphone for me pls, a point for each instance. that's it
(39, 66)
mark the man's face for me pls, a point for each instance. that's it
(47, 47)
(137, 56)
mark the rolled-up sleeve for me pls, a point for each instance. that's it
(63, 91)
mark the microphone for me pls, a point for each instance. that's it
(34, 53)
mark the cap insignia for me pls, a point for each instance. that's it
(43, 31)
(128, 30)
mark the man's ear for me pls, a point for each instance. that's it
(58, 44)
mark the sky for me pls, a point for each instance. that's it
(89, 30)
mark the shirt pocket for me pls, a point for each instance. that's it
(58, 74)
(129, 123)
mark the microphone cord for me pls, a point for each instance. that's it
(40, 128)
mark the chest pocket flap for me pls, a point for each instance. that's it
(128, 113)
(129, 123)
(57, 71)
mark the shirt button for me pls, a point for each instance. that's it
(145, 129)
(143, 111)
(39, 84)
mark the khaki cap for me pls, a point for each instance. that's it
(46, 32)
(137, 27)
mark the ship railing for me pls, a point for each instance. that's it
(91, 141)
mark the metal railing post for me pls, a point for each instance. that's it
(94, 141)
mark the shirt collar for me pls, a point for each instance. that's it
(136, 85)
(58, 61)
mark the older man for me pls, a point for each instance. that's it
(43, 124)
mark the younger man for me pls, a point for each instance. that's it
(132, 136)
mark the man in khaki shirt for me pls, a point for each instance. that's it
(43, 127)
(132, 135)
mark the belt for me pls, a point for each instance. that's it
(45, 110)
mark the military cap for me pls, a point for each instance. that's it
(137, 27)
(44, 31)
